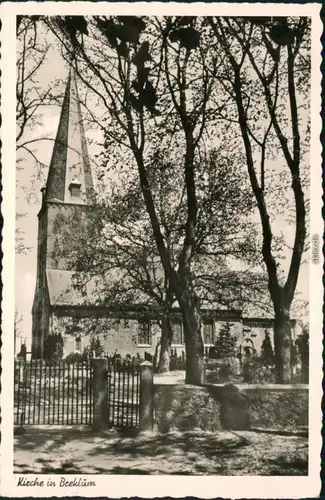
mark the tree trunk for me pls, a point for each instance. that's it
(179, 284)
(165, 344)
(282, 347)
(195, 371)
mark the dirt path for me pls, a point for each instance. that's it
(75, 450)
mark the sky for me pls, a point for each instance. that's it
(29, 184)
(28, 194)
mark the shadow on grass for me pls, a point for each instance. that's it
(102, 453)
(117, 445)
(37, 437)
(162, 444)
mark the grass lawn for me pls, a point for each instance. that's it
(77, 450)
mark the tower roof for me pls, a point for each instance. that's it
(70, 160)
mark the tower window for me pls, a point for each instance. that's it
(75, 188)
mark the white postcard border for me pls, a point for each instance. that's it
(152, 486)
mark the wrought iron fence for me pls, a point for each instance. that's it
(52, 393)
(60, 393)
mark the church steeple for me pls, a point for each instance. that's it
(69, 178)
(66, 199)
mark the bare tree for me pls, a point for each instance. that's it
(169, 84)
(32, 52)
(31, 97)
(134, 61)
(266, 76)
(17, 328)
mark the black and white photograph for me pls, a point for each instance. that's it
(167, 235)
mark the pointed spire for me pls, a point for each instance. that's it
(69, 178)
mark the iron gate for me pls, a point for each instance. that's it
(123, 393)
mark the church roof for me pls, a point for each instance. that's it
(70, 160)
(63, 292)
(63, 289)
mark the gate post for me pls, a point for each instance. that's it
(146, 396)
(100, 388)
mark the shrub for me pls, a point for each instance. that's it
(267, 354)
(53, 347)
(75, 357)
(224, 372)
(23, 352)
(302, 343)
(212, 364)
(255, 371)
(120, 363)
(95, 346)
(294, 354)
(225, 344)
(177, 363)
(220, 371)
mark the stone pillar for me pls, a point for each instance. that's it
(146, 396)
(100, 388)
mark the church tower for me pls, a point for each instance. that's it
(68, 191)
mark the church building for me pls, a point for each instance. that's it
(69, 189)
(59, 308)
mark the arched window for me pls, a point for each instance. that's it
(208, 332)
(177, 328)
(144, 333)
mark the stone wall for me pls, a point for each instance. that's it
(185, 407)
(212, 407)
(277, 408)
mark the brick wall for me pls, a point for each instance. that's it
(122, 335)
(115, 335)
